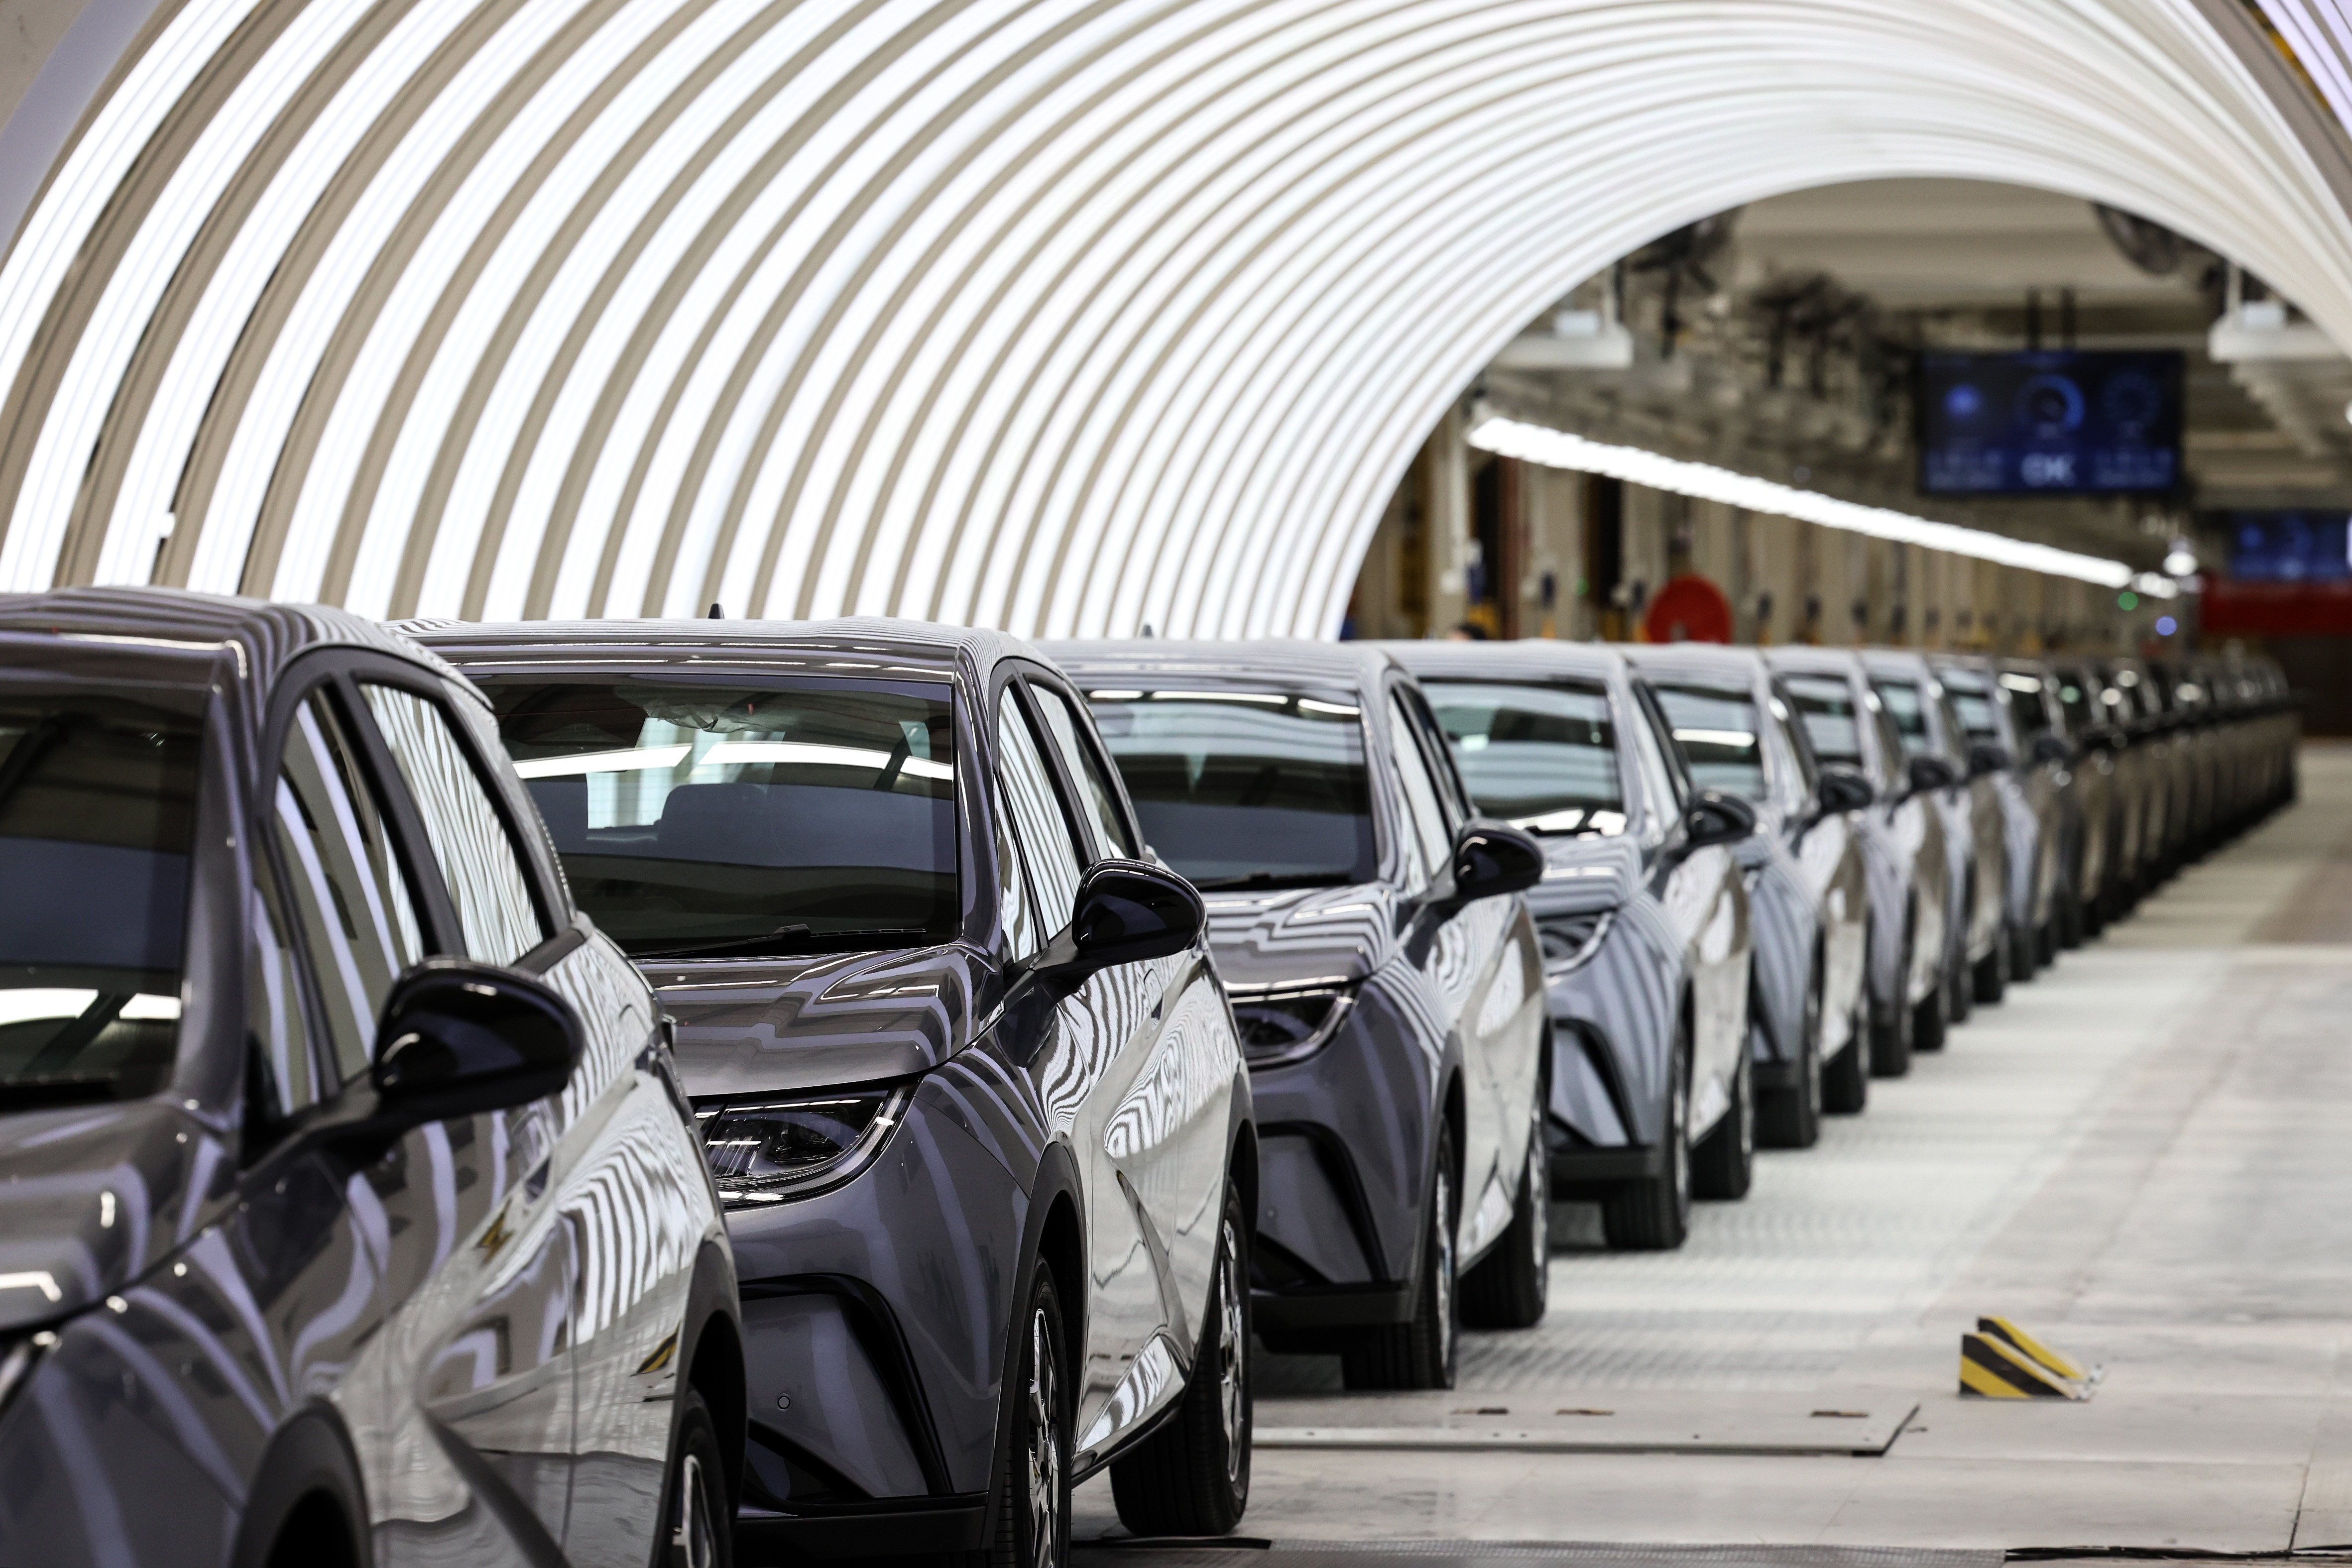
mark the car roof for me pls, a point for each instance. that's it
(1510, 660)
(264, 636)
(1720, 660)
(1283, 661)
(922, 648)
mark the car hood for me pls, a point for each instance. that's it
(777, 1025)
(1585, 875)
(1296, 936)
(89, 1195)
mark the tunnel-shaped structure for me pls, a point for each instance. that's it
(1065, 316)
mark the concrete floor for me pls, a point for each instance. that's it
(2142, 1156)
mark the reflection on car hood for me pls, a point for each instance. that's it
(1302, 935)
(89, 1195)
(774, 1024)
(1582, 875)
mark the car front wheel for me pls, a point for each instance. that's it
(1420, 1352)
(1192, 1477)
(699, 1523)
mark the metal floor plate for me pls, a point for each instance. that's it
(1587, 1421)
(1517, 1554)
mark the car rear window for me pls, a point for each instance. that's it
(745, 819)
(97, 806)
(1540, 757)
(1238, 787)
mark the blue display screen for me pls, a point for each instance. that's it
(2063, 423)
(2290, 546)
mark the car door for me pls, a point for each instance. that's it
(1168, 1132)
(1828, 853)
(1705, 896)
(1090, 1051)
(544, 1336)
(1461, 959)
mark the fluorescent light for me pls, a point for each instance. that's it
(1559, 449)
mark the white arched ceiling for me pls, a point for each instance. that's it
(1064, 316)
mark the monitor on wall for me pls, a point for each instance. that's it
(2289, 546)
(2069, 424)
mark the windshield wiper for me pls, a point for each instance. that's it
(1273, 879)
(787, 940)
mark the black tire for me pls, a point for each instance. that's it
(1192, 1477)
(1724, 1165)
(1419, 1353)
(1929, 1028)
(1653, 1214)
(1846, 1077)
(698, 1528)
(1891, 1036)
(2072, 926)
(1511, 1285)
(1791, 1117)
(2045, 943)
(1032, 1511)
(1988, 979)
(2024, 956)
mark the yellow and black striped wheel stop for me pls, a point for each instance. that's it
(1991, 1368)
(2050, 1359)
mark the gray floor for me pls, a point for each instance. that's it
(2142, 1156)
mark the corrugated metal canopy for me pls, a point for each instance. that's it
(1064, 317)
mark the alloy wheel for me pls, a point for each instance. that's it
(694, 1537)
(1444, 1195)
(1232, 1383)
(1044, 1466)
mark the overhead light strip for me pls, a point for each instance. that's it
(1560, 449)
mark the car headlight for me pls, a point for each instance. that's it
(774, 1148)
(1280, 1027)
(1570, 941)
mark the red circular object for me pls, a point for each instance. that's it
(1689, 609)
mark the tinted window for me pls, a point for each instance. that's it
(1428, 845)
(2028, 705)
(1908, 710)
(1831, 718)
(1240, 788)
(738, 820)
(350, 897)
(1973, 704)
(97, 819)
(1027, 798)
(2076, 698)
(1543, 758)
(1102, 800)
(487, 884)
(1721, 734)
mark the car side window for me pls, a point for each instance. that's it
(1029, 806)
(1086, 766)
(487, 884)
(1661, 791)
(1439, 753)
(1794, 740)
(1428, 844)
(277, 1028)
(349, 896)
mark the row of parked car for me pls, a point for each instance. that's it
(642, 1091)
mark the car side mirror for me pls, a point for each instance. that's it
(458, 1037)
(2051, 747)
(1985, 758)
(1843, 790)
(1125, 912)
(1929, 774)
(1715, 817)
(1491, 859)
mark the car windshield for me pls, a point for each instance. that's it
(1909, 711)
(698, 821)
(2028, 703)
(1542, 757)
(2076, 697)
(1833, 719)
(1246, 788)
(1971, 697)
(98, 805)
(1721, 734)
